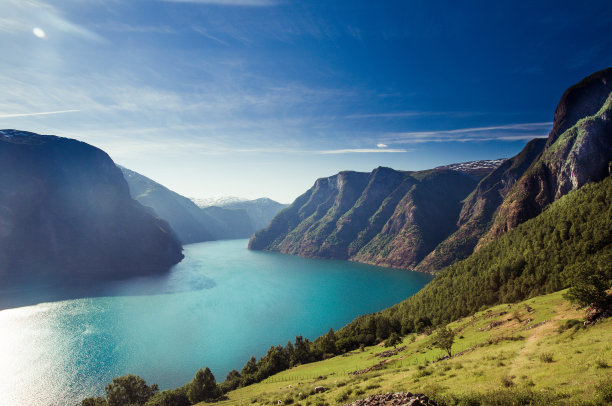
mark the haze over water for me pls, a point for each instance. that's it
(218, 307)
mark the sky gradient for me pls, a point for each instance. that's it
(258, 98)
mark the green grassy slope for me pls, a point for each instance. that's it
(533, 259)
(519, 351)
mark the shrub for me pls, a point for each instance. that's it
(129, 390)
(393, 340)
(546, 357)
(174, 397)
(569, 324)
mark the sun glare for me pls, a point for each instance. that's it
(39, 32)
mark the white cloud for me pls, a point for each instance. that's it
(508, 132)
(411, 113)
(361, 151)
(44, 113)
(381, 145)
(249, 3)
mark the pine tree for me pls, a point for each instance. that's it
(202, 387)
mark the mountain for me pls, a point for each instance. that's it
(479, 169)
(217, 201)
(578, 151)
(539, 256)
(385, 217)
(236, 219)
(186, 219)
(260, 211)
(479, 208)
(65, 212)
(424, 221)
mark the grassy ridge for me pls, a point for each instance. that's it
(518, 351)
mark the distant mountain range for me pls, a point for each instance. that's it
(217, 201)
(66, 213)
(430, 219)
(235, 218)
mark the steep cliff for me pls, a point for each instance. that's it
(479, 208)
(385, 217)
(578, 151)
(65, 212)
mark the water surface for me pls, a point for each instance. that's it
(218, 307)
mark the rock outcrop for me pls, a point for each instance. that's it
(66, 213)
(394, 399)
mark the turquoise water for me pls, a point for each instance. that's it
(218, 307)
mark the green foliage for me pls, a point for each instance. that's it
(546, 357)
(173, 397)
(202, 387)
(444, 339)
(232, 381)
(327, 343)
(129, 390)
(589, 285)
(393, 340)
(568, 324)
(99, 401)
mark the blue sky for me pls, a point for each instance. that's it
(259, 98)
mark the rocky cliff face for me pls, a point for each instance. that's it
(385, 217)
(479, 208)
(65, 212)
(578, 150)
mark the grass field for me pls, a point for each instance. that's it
(533, 352)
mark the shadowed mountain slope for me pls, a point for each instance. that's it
(196, 224)
(65, 212)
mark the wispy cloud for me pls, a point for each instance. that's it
(248, 3)
(508, 132)
(362, 151)
(21, 16)
(404, 114)
(44, 113)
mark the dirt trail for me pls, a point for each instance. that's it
(531, 342)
